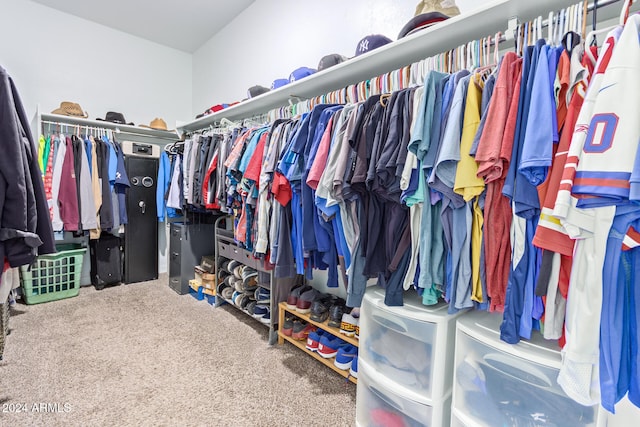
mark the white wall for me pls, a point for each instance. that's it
(53, 57)
(271, 38)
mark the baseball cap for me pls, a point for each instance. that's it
(428, 13)
(371, 42)
(254, 91)
(300, 73)
(277, 83)
(330, 60)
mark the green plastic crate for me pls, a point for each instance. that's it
(52, 277)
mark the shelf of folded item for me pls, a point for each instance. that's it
(328, 362)
(322, 325)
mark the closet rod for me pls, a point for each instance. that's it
(544, 23)
(590, 8)
(114, 130)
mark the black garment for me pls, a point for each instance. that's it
(201, 169)
(106, 210)
(78, 145)
(25, 225)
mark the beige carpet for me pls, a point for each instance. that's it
(141, 355)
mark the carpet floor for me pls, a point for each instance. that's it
(142, 355)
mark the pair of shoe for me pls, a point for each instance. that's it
(349, 324)
(226, 292)
(262, 295)
(327, 307)
(301, 297)
(329, 345)
(262, 313)
(301, 330)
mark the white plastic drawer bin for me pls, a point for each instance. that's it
(380, 403)
(410, 345)
(498, 384)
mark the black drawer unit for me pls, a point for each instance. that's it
(188, 243)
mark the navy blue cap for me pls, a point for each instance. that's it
(300, 73)
(371, 42)
(279, 83)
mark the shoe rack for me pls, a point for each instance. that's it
(283, 310)
(226, 247)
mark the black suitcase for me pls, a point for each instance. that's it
(106, 260)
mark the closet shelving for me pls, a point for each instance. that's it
(226, 247)
(122, 132)
(283, 309)
(446, 35)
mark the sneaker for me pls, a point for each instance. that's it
(235, 297)
(262, 295)
(227, 293)
(230, 281)
(244, 301)
(313, 340)
(292, 299)
(348, 325)
(249, 285)
(232, 266)
(221, 286)
(224, 266)
(355, 313)
(329, 346)
(237, 272)
(307, 298)
(266, 319)
(287, 326)
(335, 315)
(251, 307)
(260, 310)
(353, 371)
(301, 330)
(345, 357)
(238, 285)
(319, 311)
(249, 272)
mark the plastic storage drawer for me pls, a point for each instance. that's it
(499, 384)
(409, 345)
(380, 402)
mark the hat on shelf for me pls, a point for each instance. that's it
(278, 83)
(300, 73)
(157, 124)
(428, 13)
(330, 60)
(254, 91)
(70, 109)
(371, 42)
(115, 117)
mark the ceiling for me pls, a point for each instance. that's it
(197, 20)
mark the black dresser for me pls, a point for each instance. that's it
(188, 243)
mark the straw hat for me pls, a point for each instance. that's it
(70, 109)
(157, 124)
(446, 7)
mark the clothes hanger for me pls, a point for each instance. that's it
(624, 14)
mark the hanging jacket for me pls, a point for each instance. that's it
(87, 203)
(57, 180)
(25, 228)
(68, 194)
